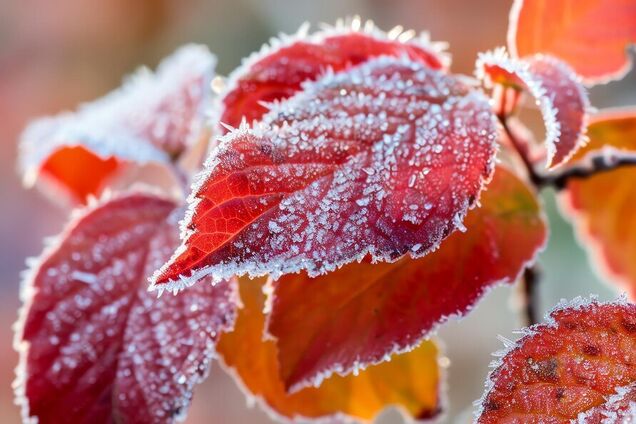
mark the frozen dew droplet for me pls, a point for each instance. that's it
(459, 223)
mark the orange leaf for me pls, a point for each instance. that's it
(410, 381)
(591, 35)
(573, 363)
(377, 309)
(78, 170)
(603, 205)
(610, 128)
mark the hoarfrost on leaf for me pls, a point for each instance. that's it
(95, 345)
(619, 408)
(376, 310)
(295, 192)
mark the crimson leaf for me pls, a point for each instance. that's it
(384, 159)
(95, 345)
(569, 365)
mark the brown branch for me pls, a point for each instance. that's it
(530, 294)
(602, 162)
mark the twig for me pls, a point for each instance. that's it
(530, 294)
(604, 161)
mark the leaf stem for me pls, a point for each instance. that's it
(523, 150)
(594, 165)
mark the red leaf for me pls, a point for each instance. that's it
(573, 363)
(277, 71)
(619, 408)
(602, 206)
(152, 118)
(384, 159)
(591, 35)
(377, 309)
(95, 345)
(562, 99)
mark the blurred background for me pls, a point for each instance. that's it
(56, 53)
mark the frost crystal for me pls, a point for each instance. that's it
(619, 408)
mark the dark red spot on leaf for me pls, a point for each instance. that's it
(591, 350)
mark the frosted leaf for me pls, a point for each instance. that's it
(562, 99)
(277, 71)
(151, 118)
(96, 346)
(558, 370)
(305, 169)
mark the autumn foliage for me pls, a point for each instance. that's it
(348, 196)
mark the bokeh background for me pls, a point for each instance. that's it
(56, 53)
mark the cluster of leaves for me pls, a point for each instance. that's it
(365, 184)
